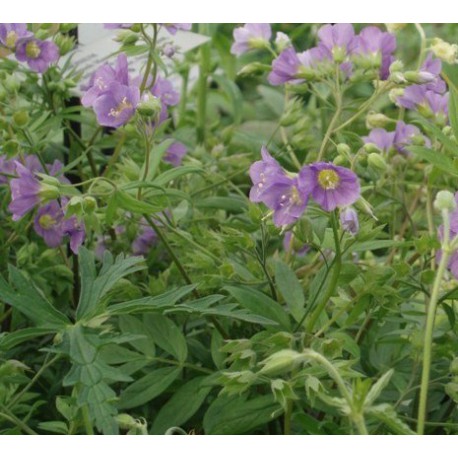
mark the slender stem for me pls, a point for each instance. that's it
(15, 420)
(287, 417)
(202, 87)
(430, 318)
(147, 161)
(150, 61)
(334, 279)
(422, 44)
(87, 420)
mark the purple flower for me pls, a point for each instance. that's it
(453, 260)
(164, 90)
(382, 139)
(294, 68)
(339, 39)
(349, 220)
(25, 192)
(11, 33)
(173, 28)
(330, 185)
(103, 76)
(290, 246)
(76, 230)
(7, 167)
(175, 153)
(250, 36)
(403, 136)
(262, 174)
(48, 223)
(112, 26)
(431, 70)
(116, 105)
(38, 54)
(375, 48)
(146, 238)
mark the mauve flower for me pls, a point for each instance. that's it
(25, 192)
(431, 69)
(116, 105)
(164, 90)
(173, 28)
(11, 33)
(76, 230)
(375, 47)
(146, 238)
(103, 76)
(349, 220)
(7, 167)
(262, 174)
(48, 223)
(175, 153)
(250, 36)
(403, 136)
(294, 68)
(112, 26)
(331, 186)
(379, 137)
(290, 246)
(38, 54)
(339, 39)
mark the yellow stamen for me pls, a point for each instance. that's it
(46, 221)
(328, 179)
(11, 38)
(32, 50)
(124, 105)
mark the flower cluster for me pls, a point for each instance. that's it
(329, 185)
(29, 192)
(38, 54)
(111, 94)
(338, 44)
(430, 97)
(398, 140)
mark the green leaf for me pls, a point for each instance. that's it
(27, 299)
(387, 414)
(130, 203)
(436, 158)
(260, 304)
(167, 335)
(233, 92)
(453, 109)
(378, 387)
(148, 387)
(290, 288)
(239, 415)
(56, 427)
(151, 304)
(175, 173)
(132, 325)
(12, 339)
(182, 405)
(94, 288)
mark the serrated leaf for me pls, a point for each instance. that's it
(378, 387)
(148, 387)
(387, 414)
(12, 339)
(436, 158)
(182, 405)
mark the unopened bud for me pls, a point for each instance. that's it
(149, 105)
(395, 94)
(420, 77)
(283, 360)
(11, 83)
(127, 37)
(394, 27)
(282, 41)
(445, 200)
(398, 78)
(445, 51)
(377, 161)
(371, 148)
(344, 149)
(48, 192)
(21, 118)
(374, 120)
(396, 66)
(65, 43)
(89, 204)
(255, 68)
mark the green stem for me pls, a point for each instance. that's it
(287, 417)
(15, 420)
(150, 61)
(202, 87)
(421, 32)
(87, 420)
(147, 161)
(334, 279)
(430, 318)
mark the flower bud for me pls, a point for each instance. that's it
(344, 149)
(446, 52)
(394, 27)
(374, 119)
(282, 42)
(377, 161)
(349, 220)
(65, 43)
(48, 192)
(169, 50)
(281, 361)
(397, 77)
(340, 160)
(445, 200)
(149, 106)
(89, 204)
(127, 37)
(255, 68)
(11, 83)
(420, 77)
(395, 93)
(396, 66)
(371, 148)
(21, 118)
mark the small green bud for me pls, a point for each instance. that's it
(89, 204)
(395, 93)
(374, 119)
(343, 149)
(127, 37)
(65, 43)
(21, 118)
(393, 27)
(447, 130)
(255, 68)
(48, 192)
(371, 148)
(396, 66)
(339, 54)
(445, 200)
(377, 161)
(281, 361)
(398, 78)
(340, 160)
(149, 106)
(11, 83)
(282, 41)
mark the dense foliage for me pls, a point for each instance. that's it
(258, 235)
